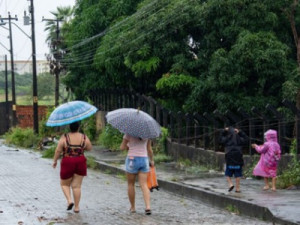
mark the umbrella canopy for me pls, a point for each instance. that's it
(70, 112)
(134, 122)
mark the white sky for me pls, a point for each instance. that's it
(22, 46)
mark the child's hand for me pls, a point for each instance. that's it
(253, 145)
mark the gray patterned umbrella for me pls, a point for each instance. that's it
(134, 122)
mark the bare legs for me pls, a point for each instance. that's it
(266, 187)
(131, 189)
(145, 189)
(237, 183)
(74, 183)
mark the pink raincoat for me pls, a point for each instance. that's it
(270, 155)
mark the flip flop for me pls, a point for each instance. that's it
(266, 188)
(70, 206)
(231, 188)
(238, 191)
(148, 211)
(76, 211)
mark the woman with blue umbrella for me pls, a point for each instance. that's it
(72, 146)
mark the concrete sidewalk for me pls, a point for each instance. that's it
(280, 207)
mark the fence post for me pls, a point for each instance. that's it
(188, 118)
(172, 125)
(251, 127)
(264, 118)
(215, 130)
(281, 126)
(222, 118)
(152, 106)
(179, 128)
(201, 120)
(296, 112)
(158, 113)
(165, 117)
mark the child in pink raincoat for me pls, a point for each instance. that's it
(270, 155)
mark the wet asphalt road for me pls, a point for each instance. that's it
(30, 194)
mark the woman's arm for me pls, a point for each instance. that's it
(123, 145)
(150, 153)
(88, 144)
(58, 151)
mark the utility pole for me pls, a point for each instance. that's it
(57, 58)
(14, 107)
(6, 96)
(34, 75)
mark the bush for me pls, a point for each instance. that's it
(110, 138)
(49, 153)
(291, 176)
(22, 137)
(45, 131)
(88, 127)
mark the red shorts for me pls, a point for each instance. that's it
(72, 165)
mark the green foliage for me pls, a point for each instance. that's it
(291, 175)
(248, 171)
(22, 137)
(160, 146)
(49, 153)
(175, 87)
(110, 138)
(161, 157)
(217, 53)
(91, 162)
(232, 209)
(88, 127)
(45, 131)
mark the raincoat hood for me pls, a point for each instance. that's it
(271, 135)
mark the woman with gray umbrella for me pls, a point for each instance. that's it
(138, 128)
(139, 157)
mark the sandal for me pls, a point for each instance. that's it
(70, 206)
(148, 211)
(132, 211)
(231, 188)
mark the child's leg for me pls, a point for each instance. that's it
(266, 187)
(229, 181)
(237, 181)
(273, 183)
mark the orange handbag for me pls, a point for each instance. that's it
(151, 179)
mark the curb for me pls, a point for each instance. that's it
(218, 200)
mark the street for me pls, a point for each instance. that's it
(30, 194)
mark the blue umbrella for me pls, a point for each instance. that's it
(70, 112)
(134, 122)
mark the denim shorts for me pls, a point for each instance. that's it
(137, 164)
(234, 170)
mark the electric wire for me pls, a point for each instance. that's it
(128, 42)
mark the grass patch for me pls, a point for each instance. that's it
(49, 153)
(91, 163)
(232, 209)
(122, 176)
(22, 137)
(110, 138)
(291, 175)
(160, 157)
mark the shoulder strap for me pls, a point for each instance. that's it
(83, 142)
(67, 139)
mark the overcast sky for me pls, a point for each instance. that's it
(22, 46)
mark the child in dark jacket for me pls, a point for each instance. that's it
(233, 139)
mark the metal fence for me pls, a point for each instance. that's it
(203, 130)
